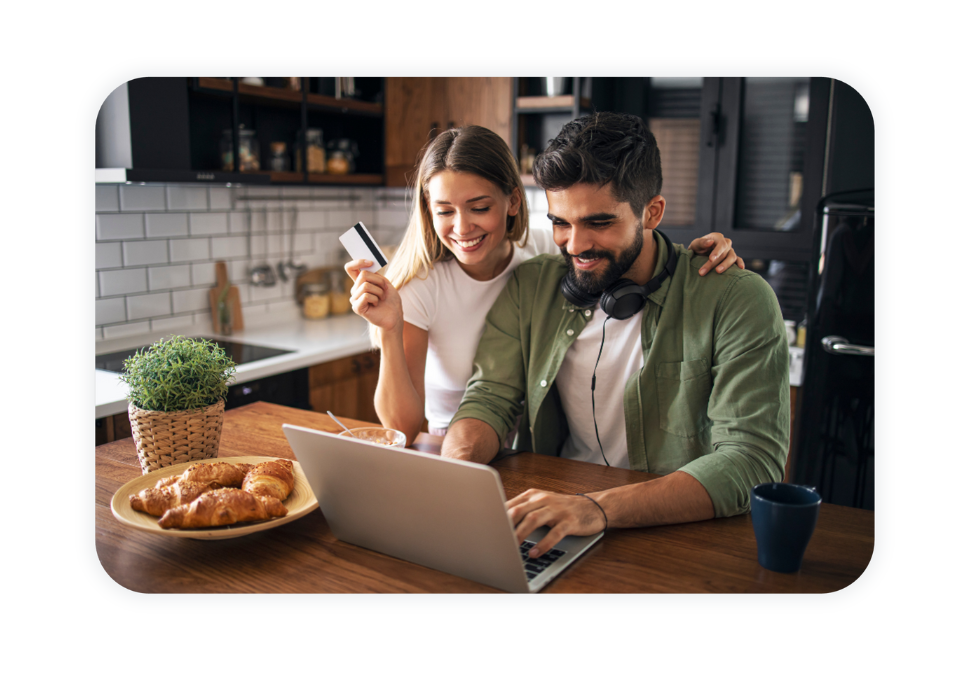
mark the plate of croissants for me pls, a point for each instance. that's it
(216, 498)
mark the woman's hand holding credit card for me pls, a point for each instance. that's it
(373, 297)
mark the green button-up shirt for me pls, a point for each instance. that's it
(712, 399)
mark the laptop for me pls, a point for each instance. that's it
(442, 513)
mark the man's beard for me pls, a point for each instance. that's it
(595, 282)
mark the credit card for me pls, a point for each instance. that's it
(361, 245)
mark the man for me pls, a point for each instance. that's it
(694, 386)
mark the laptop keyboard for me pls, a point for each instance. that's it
(536, 565)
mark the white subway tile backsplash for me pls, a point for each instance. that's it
(238, 272)
(173, 323)
(219, 198)
(123, 282)
(145, 253)
(188, 301)
(238, 222)
(204, 274)
(391, 217)
(303, 242)
(178, 231)
(107, 255)
(343, 219)
(208, 223)
(259, 191)
(109, 311)
(228, 247)
(310, 220)
(105, 198)
(166, 224)
(264, 293)
(185, 250)
(126, 329)
(327, 245)
(283, 305)
(187, 198)
(171, 276)
(120, 226)
(142, 198)
(148, 306)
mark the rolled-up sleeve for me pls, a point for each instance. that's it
(495, 392)
(749, 402)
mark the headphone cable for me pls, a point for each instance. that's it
(593, 390)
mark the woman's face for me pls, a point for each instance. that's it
(469, 214)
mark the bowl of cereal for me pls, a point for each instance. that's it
(377, 435)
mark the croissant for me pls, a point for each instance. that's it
(222, 507)
(157, 500)
(271, 479)
(227, 475)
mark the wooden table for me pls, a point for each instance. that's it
(304, 557)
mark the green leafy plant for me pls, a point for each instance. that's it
(179, 373)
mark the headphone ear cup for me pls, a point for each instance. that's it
(575, 295)
(623, 299)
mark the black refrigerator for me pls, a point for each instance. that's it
(835, 450)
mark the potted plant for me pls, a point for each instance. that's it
(177, 391)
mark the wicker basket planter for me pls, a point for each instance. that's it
(167, 438)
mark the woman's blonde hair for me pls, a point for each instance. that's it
(470, 149)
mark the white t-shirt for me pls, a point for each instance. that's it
(622, 357)
(452, 307)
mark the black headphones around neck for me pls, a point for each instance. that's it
(623, 298)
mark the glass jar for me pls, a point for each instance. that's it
(340, 292)
(279, 160)
(316, 300)
(341, 156)
(249, 150)
(315, 151)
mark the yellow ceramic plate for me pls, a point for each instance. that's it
(300, 502)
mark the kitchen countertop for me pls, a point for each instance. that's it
(312, 342)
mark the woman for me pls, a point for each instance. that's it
(467, 233)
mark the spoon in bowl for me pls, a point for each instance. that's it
(339, 422)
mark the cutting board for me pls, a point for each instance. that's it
(232, 299)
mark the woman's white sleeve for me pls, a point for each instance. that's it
(417, 302)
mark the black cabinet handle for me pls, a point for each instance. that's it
(714, 121)
(355, 366)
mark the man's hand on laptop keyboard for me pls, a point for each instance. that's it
(563, 514)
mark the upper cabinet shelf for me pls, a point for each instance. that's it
(249, 93)
(198, 129)
(549, 104)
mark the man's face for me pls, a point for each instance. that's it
(600, 237)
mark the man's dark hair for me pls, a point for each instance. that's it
(604, 148)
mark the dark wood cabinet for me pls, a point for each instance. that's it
(346, 386)
(420, 107)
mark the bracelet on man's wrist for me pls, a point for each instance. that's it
(580, 494)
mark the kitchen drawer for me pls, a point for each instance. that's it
(344, 369)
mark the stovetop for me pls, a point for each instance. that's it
(239, 352)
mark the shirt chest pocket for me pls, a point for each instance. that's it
(683, 389)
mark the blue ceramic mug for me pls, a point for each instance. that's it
(784, 517)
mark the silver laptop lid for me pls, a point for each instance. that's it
(442, 513)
